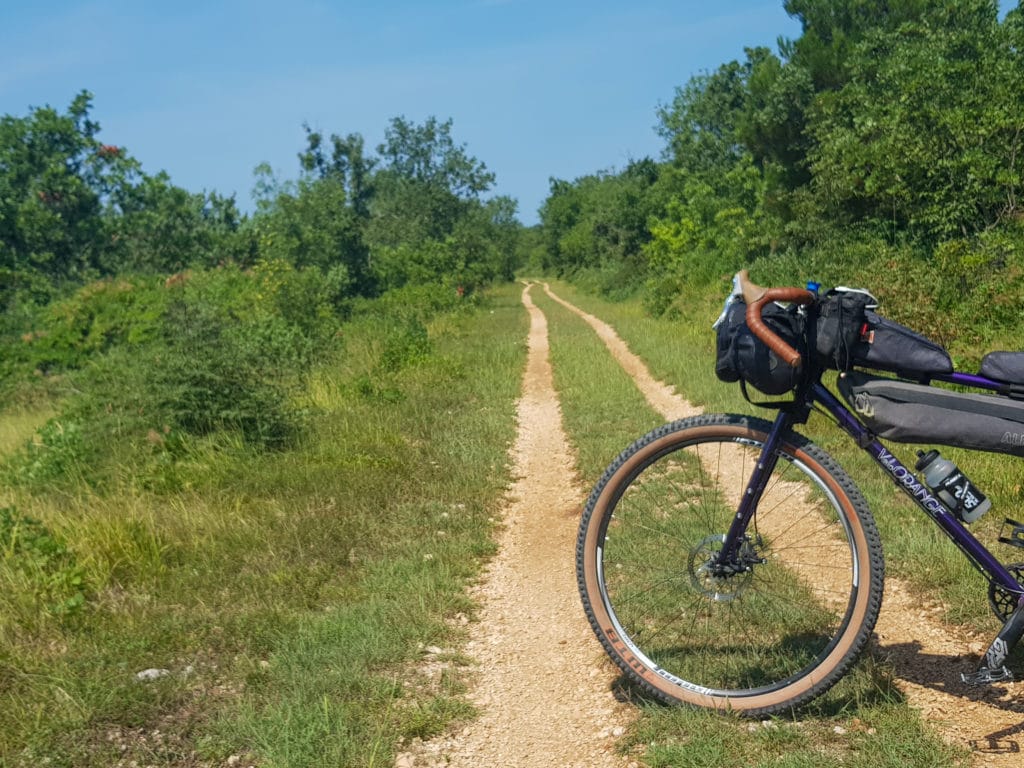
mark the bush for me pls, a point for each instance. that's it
(419, 301)
(218, 373)
(61, 450)
(232, 353)
(95, 319)
(153, 365)
(38, 574)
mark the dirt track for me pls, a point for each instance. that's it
(542, 683)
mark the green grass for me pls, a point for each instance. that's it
(288, 594)
(877, 735)
(17, 426)
(603, 414)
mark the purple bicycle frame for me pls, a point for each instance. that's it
(973, 550)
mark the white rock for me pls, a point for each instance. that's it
(152, 674)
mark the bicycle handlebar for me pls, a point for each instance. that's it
(756, 297)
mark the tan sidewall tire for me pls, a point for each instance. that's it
(851, 641)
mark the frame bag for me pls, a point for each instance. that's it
(915, 413)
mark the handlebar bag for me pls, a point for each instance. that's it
(741, 355)
(916, 413)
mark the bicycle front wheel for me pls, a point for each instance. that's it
(770, 637)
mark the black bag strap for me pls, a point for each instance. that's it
(772, 405)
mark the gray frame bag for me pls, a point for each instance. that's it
(914, 413)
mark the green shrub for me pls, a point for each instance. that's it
(217, 372)
(614, 280)
(660, 293)
(152, 366)
(38, 574)
(234, 348)
(97, 318)
(420, 301)
(60, 450)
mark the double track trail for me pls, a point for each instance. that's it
(541, 682)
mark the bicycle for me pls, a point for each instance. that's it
(728, 562)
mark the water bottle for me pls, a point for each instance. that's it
(952, 486)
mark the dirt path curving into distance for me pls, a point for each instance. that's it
(542, 683)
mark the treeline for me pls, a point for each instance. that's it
(73, 209)
(153, 317)
(884, 144)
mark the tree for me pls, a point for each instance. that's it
(600, 222)
(831, 30)
(55, 177)
(322, 219)
(701, 125)
(73, 208)
(348, 166)
(425, 184)
(426, 154)
(157, 227)
(926, 134)
(729, 134)
(772, 125)
(414, 213)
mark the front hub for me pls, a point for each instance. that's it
(717, 579)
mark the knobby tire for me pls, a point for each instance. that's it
(761, 641)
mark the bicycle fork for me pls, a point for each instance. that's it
(732, 544)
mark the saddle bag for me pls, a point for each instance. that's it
(741, 356)
(848, 333)
(915, 413)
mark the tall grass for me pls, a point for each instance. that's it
(18, 426)
(284, 596)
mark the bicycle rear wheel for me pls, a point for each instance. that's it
(760, 641)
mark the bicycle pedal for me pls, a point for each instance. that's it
(986, 676)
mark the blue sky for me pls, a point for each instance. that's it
(536, 88)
